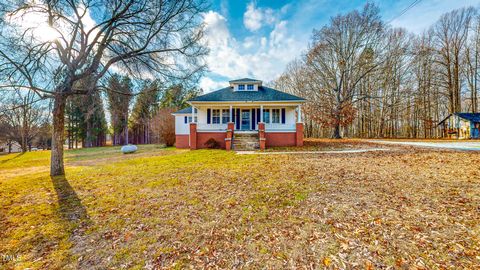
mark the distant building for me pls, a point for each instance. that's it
(461, 126)
(13, 147)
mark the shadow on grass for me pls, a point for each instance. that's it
(14, 157)
(74, 217)
(71, 208)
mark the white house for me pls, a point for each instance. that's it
(241, 116)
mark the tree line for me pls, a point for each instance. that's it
(72, 46)
(138, 116)
(364, 78)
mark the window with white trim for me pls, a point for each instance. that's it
(275, 116)
(225, 116)
(250, 87)
(190, 119)
(241, 87)
(215, 116)
(266, 116)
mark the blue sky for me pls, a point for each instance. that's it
(259, 38)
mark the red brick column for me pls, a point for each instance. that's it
(261, 135)
(193, 136)
(229, 138)
(299, 134)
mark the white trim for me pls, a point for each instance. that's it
(261, 113)
(247, 103)
(279, 131)
(193, 114)
(299, 114)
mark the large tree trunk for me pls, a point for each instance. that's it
(56, 159)
(336, 132)
(337, 116)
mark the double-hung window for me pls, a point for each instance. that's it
(276, 116)
(225, 116)
(215, 116)
(190, 119)
(266, 116)
(241, 87)
(250, 87)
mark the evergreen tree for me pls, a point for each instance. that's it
(142, 111)
(119, 95)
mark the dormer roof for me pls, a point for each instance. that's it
(245, 80)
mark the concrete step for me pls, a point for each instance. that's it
(246, 146)
(246, 135)
(246, 141)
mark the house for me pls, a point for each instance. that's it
(244, 115)
(461, 126)
(10, 147)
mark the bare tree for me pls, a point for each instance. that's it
(451, 34)
(342, 54)
(91, 37)
(23, 118)
(163, 126)
(472, 67)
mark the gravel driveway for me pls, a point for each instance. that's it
(460, 145)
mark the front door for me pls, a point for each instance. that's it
(245, 119)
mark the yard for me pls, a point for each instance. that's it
(168, 208)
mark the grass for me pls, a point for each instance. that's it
(168, 208)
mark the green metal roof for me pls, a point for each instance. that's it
(263, 94)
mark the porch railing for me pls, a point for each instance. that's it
(213, 127)
(223, 127)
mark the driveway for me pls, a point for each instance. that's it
(460, 145)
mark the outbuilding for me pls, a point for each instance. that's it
(461, 126)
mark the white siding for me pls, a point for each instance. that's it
(180, 126)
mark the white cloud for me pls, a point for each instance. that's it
(252, 19)
(255, 18)
(207, 84)
(255, 56)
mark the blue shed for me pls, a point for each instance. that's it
(461, 126)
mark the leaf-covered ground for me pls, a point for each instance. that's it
(166, 208)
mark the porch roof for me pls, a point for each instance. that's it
(472, 117)
(263, 94)
(187, 110)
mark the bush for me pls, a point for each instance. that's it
(212, 144)
(163, 126)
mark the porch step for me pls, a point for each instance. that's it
(245, 141)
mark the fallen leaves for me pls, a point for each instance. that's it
(212, 209)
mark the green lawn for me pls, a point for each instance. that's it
(168, 208)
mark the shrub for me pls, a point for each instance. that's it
(212, 143)
(163, 126)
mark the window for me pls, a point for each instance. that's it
(225, 116)
(250, 87)
(266, 116)
(190, 119)
(275, 116)
(216, 116)
(241, 87)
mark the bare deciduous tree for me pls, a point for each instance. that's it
(87, 39)
(342, 54)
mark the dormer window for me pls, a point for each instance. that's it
(250, 87)
(241, 87)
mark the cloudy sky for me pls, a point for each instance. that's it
(259, 38)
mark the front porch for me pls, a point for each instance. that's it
(237, 126)
(246, 119)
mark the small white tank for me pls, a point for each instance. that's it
(130, 148)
